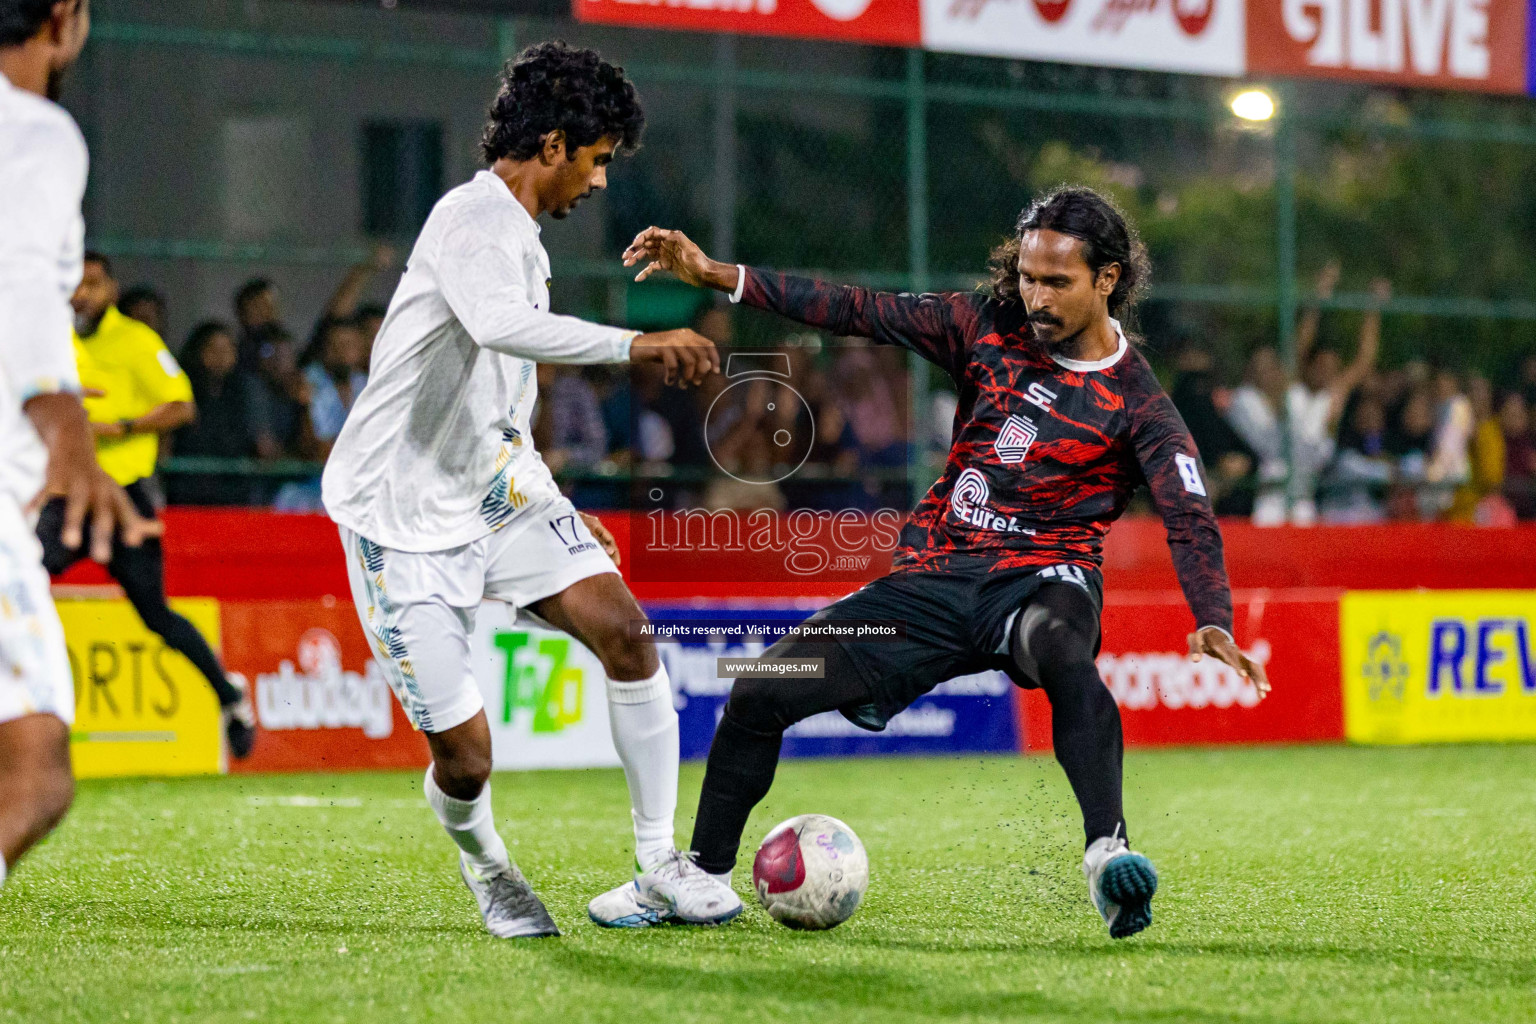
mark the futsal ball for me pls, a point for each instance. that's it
(811, 872)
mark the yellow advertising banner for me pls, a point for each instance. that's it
(1435, 666)
(140, 707)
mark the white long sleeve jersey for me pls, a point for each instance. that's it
(438, 450)
(43, 165)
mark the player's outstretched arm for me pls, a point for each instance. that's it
(1171, 465)
(935, 326)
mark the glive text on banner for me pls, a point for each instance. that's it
(1478, 45)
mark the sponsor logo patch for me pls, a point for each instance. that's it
(1014, 439)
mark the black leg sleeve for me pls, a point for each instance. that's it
(1058, 629)
(745, 752)
(141, 573)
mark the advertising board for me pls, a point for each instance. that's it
(321, 700)
(1444, 44)
(1439, 665)
(1202, 36)
(140, 707)
(1167, 699)
(890, 22)
(545, 695)
(973, 714)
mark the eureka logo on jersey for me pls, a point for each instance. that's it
(1014, 439)
(968, 502)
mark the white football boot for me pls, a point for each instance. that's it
(677, 889)
(508, 905)
(1121, 884)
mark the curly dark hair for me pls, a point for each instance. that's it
(552, 86)
(1107, 234)
(20, 20)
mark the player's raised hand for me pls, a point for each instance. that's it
(680, 256)
(595, 525)
(1217, 644)
(688, 357)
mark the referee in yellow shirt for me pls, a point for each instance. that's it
(135, 391)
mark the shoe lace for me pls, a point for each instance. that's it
(684, 864)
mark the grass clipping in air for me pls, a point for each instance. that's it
(1305, 884)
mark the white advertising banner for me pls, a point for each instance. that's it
(545, 695)
(1201, 36)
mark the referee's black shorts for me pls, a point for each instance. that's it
(145, 495)
(954, 624)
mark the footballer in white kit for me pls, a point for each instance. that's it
(442, 501)
(46, 447)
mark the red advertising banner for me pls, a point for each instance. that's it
(1165, 698)
(322, 703)
(1444, 44)
(1201, 36)
(886, 22)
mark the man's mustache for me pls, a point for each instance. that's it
(1044, 320)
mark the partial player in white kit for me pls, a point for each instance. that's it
(442, 501)
(46, 447)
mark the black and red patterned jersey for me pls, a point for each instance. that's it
(1046, 451)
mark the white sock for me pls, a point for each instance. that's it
(644, 724)
(2, 869)
(471, 825)
(724, 876)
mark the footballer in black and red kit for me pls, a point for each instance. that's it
(1060, 419)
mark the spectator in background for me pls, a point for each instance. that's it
(1315, 403)
(226, 401)
(1478, 500)
(569, 429)
(1450, 462)
(333, 370)
(144, 304)
(1255, 414)
(870, 392)
(1519, 454)
(346, 302)
(751, 484)
(281, 415)
(1362, 468)
(1411, 440)
(1228, 459)
(257, 312)
(616, 405)
(1291, 427)
(669, 419)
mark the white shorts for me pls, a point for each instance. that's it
(34, 664)
(418, 609)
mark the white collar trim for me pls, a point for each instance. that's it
(1088, 366)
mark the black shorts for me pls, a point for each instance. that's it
(954, 626)
(145, 495)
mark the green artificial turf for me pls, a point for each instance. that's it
(1301, 884)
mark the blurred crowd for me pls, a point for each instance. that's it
(1348, 442)
(813, 426)
(825, 424)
